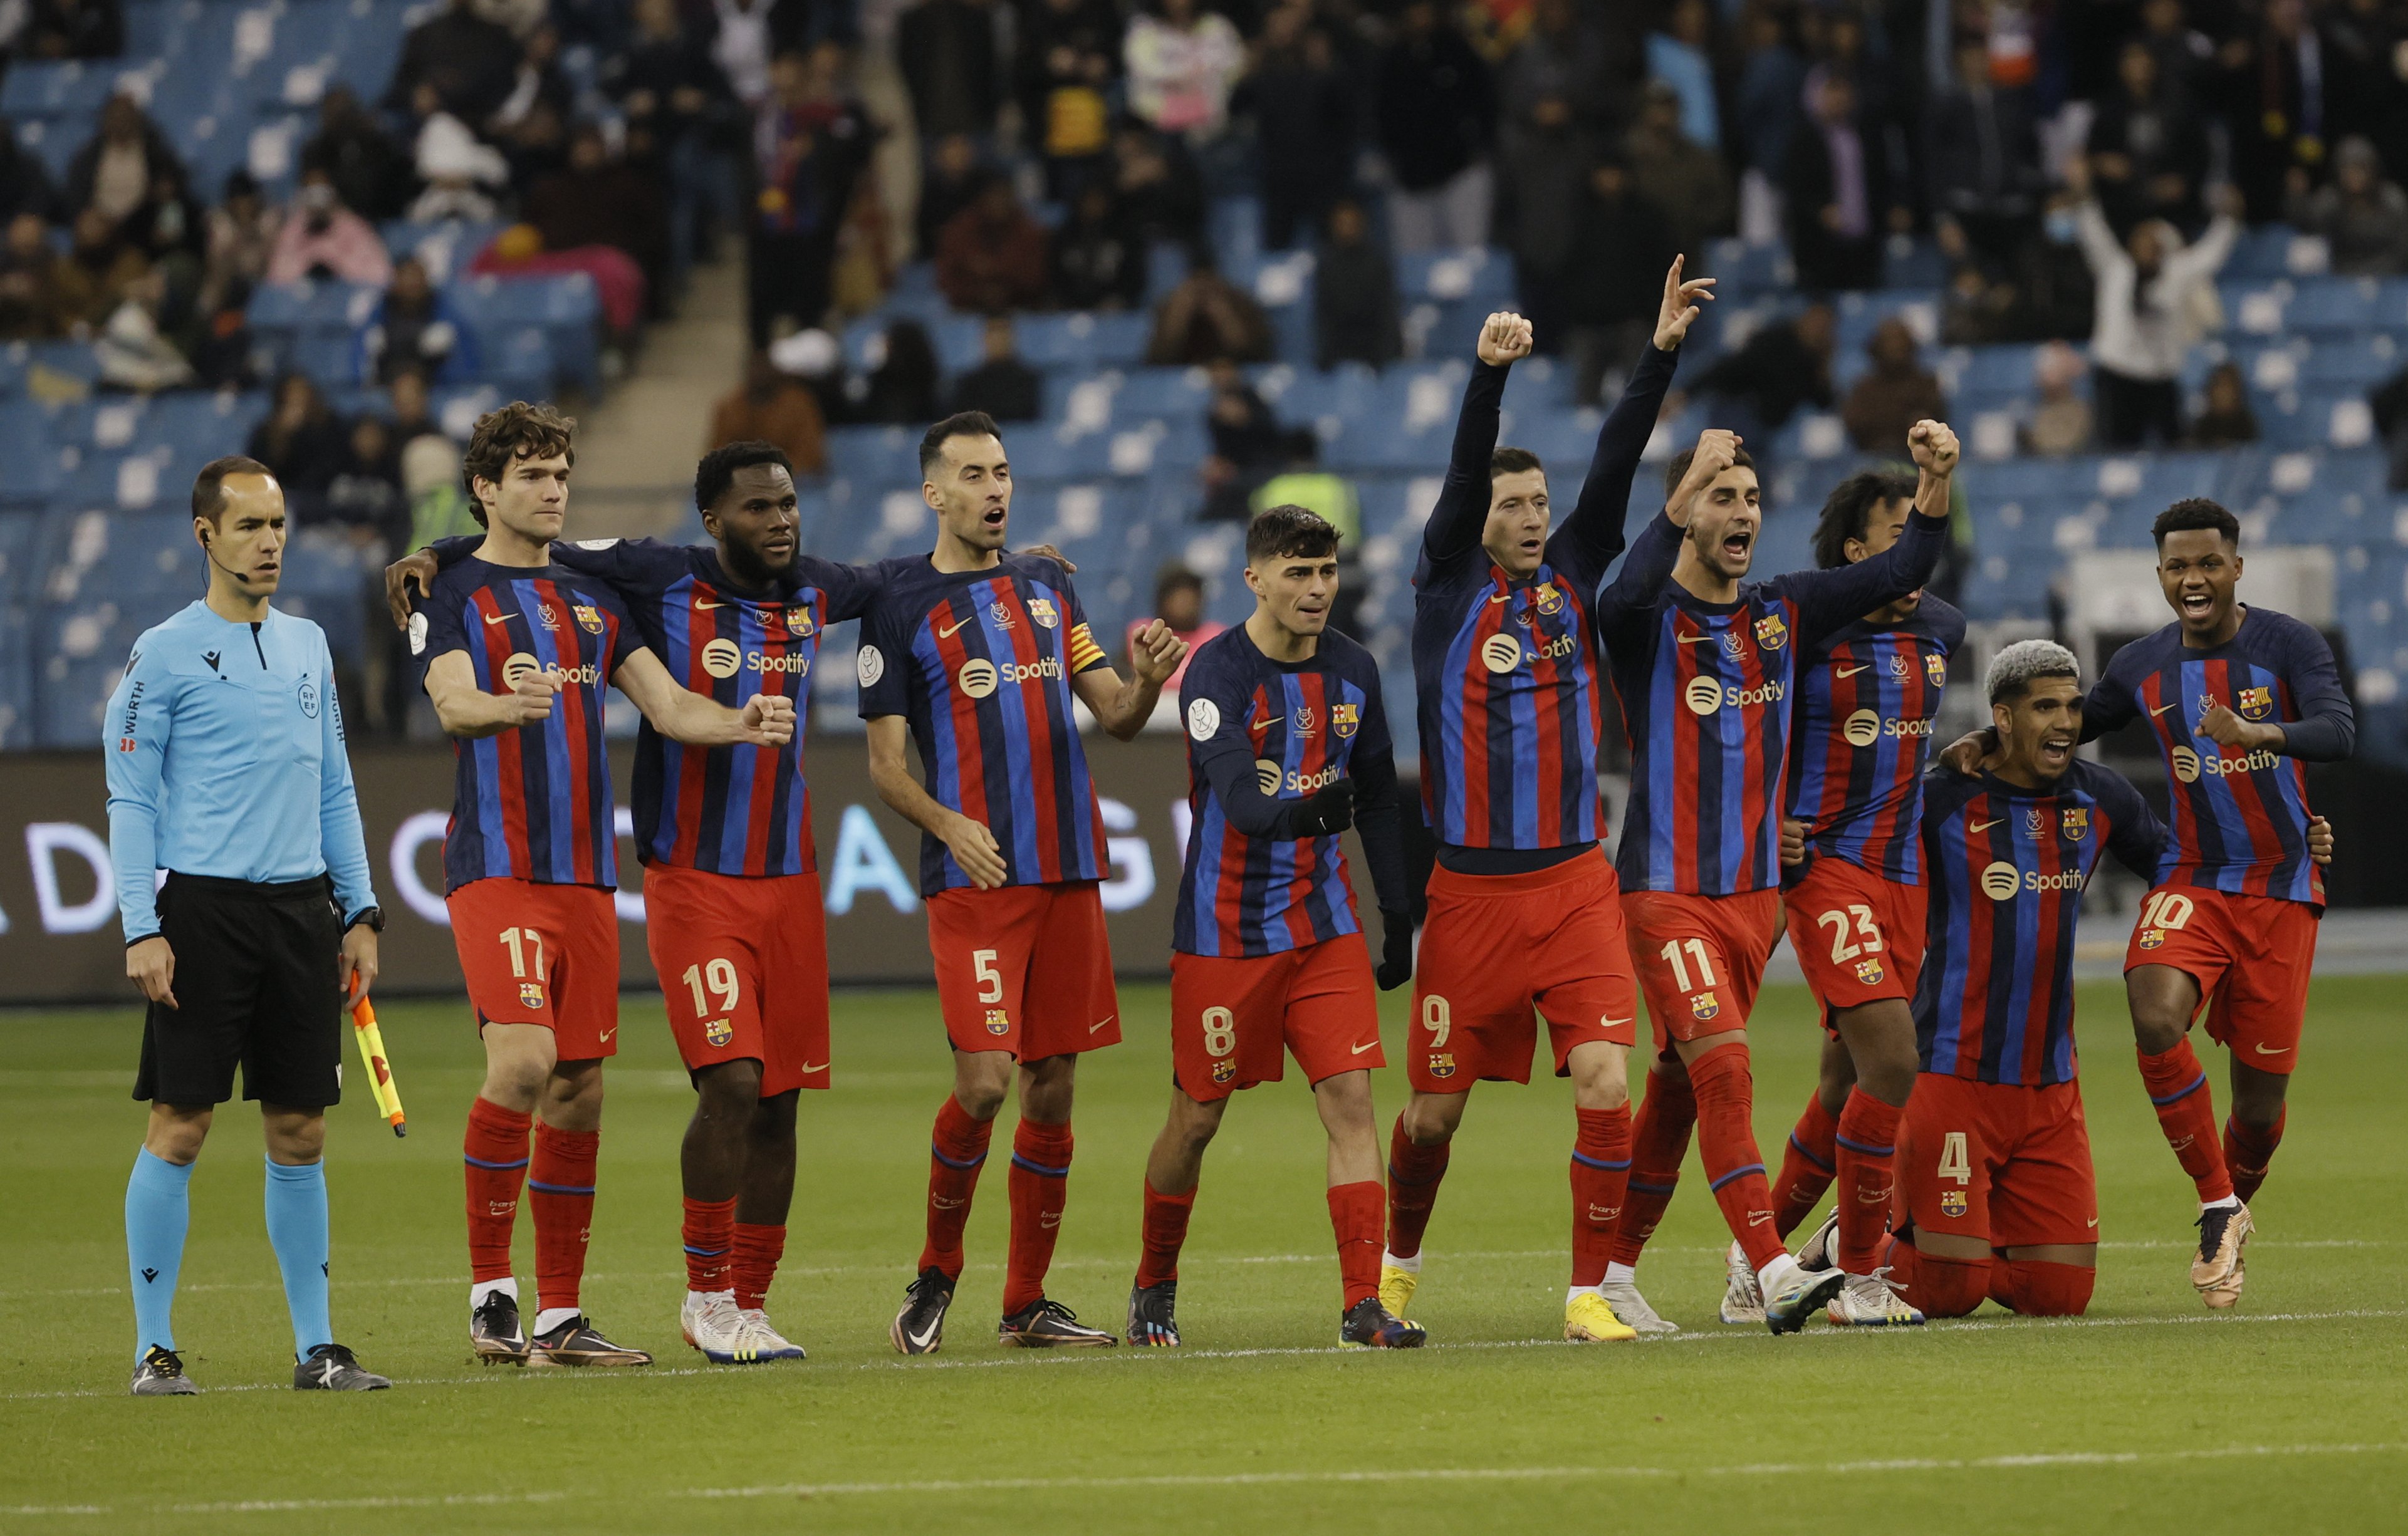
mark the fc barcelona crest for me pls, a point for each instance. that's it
(2153, 938)
(1041, 610)
(1951, 1202)
(1705, 1005)
(2075, 823)
(1548, 599)
(799, 624)
(1869, 971)
(1224, 1071)
(1771, 632)
(999, 1021)
(1345, 719)
(1442, 1064)
(589, 618)
(2255, 704)
(531, 994)
(719, 1031)
(1935, 666)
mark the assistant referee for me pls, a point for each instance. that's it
(226, 769)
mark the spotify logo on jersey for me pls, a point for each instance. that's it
(976, 679)
(1862, 729)
(1266, 776)
(1502, 652)
(1705, 695)
(720, 657)
(2185, 764)
(521, 666)
(2001, 881)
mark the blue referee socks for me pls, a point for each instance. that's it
(296, 1229)
(158, 1209)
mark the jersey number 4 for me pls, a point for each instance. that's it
(1867, 930)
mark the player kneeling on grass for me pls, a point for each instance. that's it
(1997, 1190)
(517, 652)
(1287, 746)
(227, 770)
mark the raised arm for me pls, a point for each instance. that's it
(973, 846)
(1831, 600)
(1631, 595)
(1122, 706)
(766, 719)
(1456, 522)
(1597, 518)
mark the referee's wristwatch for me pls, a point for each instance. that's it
(372, 916)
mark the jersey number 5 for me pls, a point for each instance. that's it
(1867, 930)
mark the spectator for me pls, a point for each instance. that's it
(1208, 318)
(1098, 262)
(1182, 60)
(1886, 403)
(951, 183)
(951, 65)
(2370, 53)
(457, 168)
(537, 82)
(2185, 58)
(2362, 217)
(2148, 152)
(678, 105)
(2055, 291)
(415, 329)
(321, 238)
(72, 29)
(1158, 189)
(813, 358)
(745, 37)
(1002, 386)
(90, 281)
(1249, 443)
(2277, 91)
(599, 201)
(368, 167)
(2060, 421)
(363, 500)
(1684, 178)
(1979, 303)
(1545, 165)
(1068, 57)
(2225, 421)
(1565, 54)
(1678, 57)
(302, 441)
(901, 389)
(130, 350)
(2155, 298)
(772, 405)
(32, 305)
(811, 147)
(2388, 402)
(1983, 158)
(465, 64)
(1613, 278)
(1767, 110)
(413, 416)
(1178, 603)
(1305, 114)
(991, 256)
(1353, 295)
(1781, 366)
(1836, 192)
(115, 170)
(1437, 112)
(440, 508)
(24, 180)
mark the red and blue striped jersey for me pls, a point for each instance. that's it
(1509, 699)
(2240, 818)
(1707, 690)
(1868, 698)
(1291, 729)
(533, 803)
(727, 810)
(2008, 866)
(980, 663)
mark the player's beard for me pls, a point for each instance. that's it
(746, 565)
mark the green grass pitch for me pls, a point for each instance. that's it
(2148, 1416)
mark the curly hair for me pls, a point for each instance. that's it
(504, 436)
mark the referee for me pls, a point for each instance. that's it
(226, 769)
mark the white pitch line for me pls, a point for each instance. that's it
(1026, 1360)
(1241, 1480)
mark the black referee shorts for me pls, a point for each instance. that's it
(255, 979)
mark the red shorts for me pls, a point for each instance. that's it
(542, 954)
(2005, 1165)
(1229, 1016)
(1024, 969)
(1496, 947)
(1701, 959)
(2251, 957)
(743, 969)
(1857, 936)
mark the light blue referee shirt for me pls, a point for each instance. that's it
(225, 755)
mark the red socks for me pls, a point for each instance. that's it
(1040, 1186)
(1659, 1139)
(1865, 1141)
(1806, 1167)
(956, 1152)
(2186, 1112)
(710, 1242)
(1354, 1218)
(759, 1249)
(1165, 1234)
(1414, 1176)
(2248, 1149)
(495, 1154)
(1938, 1288)
(1726, 1095)
(560, 1184)
(1600, 1184)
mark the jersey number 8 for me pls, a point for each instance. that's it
(1220, 1031)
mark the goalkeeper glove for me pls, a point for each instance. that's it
(1396, 949)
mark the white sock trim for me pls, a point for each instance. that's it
(1621, 1275)
(708, 1296)
(507, 1285)
(1575, 1292)
(1768, 1279)
(551, 1317)
(2229, 1202)
(1411, 1266)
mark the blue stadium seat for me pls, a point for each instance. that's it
(20, 570)
(2356, 361)
(876, 455)
(1105, 339)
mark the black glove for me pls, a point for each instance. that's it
(1327, 810)
(1396, 949)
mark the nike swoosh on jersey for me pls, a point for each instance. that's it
(1971, 827)
(2162, 709)
(1695, 639)
(949, 634)
(1502, 597)
(498, 617)
(1843, 674)
(705, 603)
